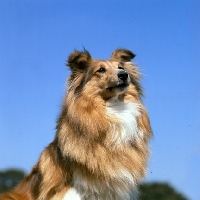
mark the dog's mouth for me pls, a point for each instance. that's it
(120, 86)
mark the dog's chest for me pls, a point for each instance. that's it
(96, 189)
(125, 116)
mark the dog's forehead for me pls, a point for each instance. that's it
(105, 63)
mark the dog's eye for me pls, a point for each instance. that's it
(101, 70)
(120, 68)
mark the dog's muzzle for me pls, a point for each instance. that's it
(122, 83)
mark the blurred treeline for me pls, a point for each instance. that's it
(147, 191)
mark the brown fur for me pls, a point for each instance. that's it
(83, 147)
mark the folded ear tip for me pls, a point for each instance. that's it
(78, 60)
(124, 55)
(133, 55)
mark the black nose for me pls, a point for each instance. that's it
(122, 75)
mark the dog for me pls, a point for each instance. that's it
(100, 150)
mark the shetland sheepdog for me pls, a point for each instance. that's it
(100, 149)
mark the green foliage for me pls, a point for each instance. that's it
(10, 178)
(159, 191)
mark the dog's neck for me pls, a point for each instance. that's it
(113, 101)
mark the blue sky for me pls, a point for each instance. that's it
(37, 36)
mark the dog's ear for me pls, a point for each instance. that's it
(122, 55)
(79, 60)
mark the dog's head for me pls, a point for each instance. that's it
(108, 78)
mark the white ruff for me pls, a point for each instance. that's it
(97, 190)
(127, 128)
(71, 194)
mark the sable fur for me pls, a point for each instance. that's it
(85, 154)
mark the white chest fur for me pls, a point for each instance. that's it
(126, 128)
(71, 194)
(89, 189)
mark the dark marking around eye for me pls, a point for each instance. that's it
(101, 70)
(119, 67)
